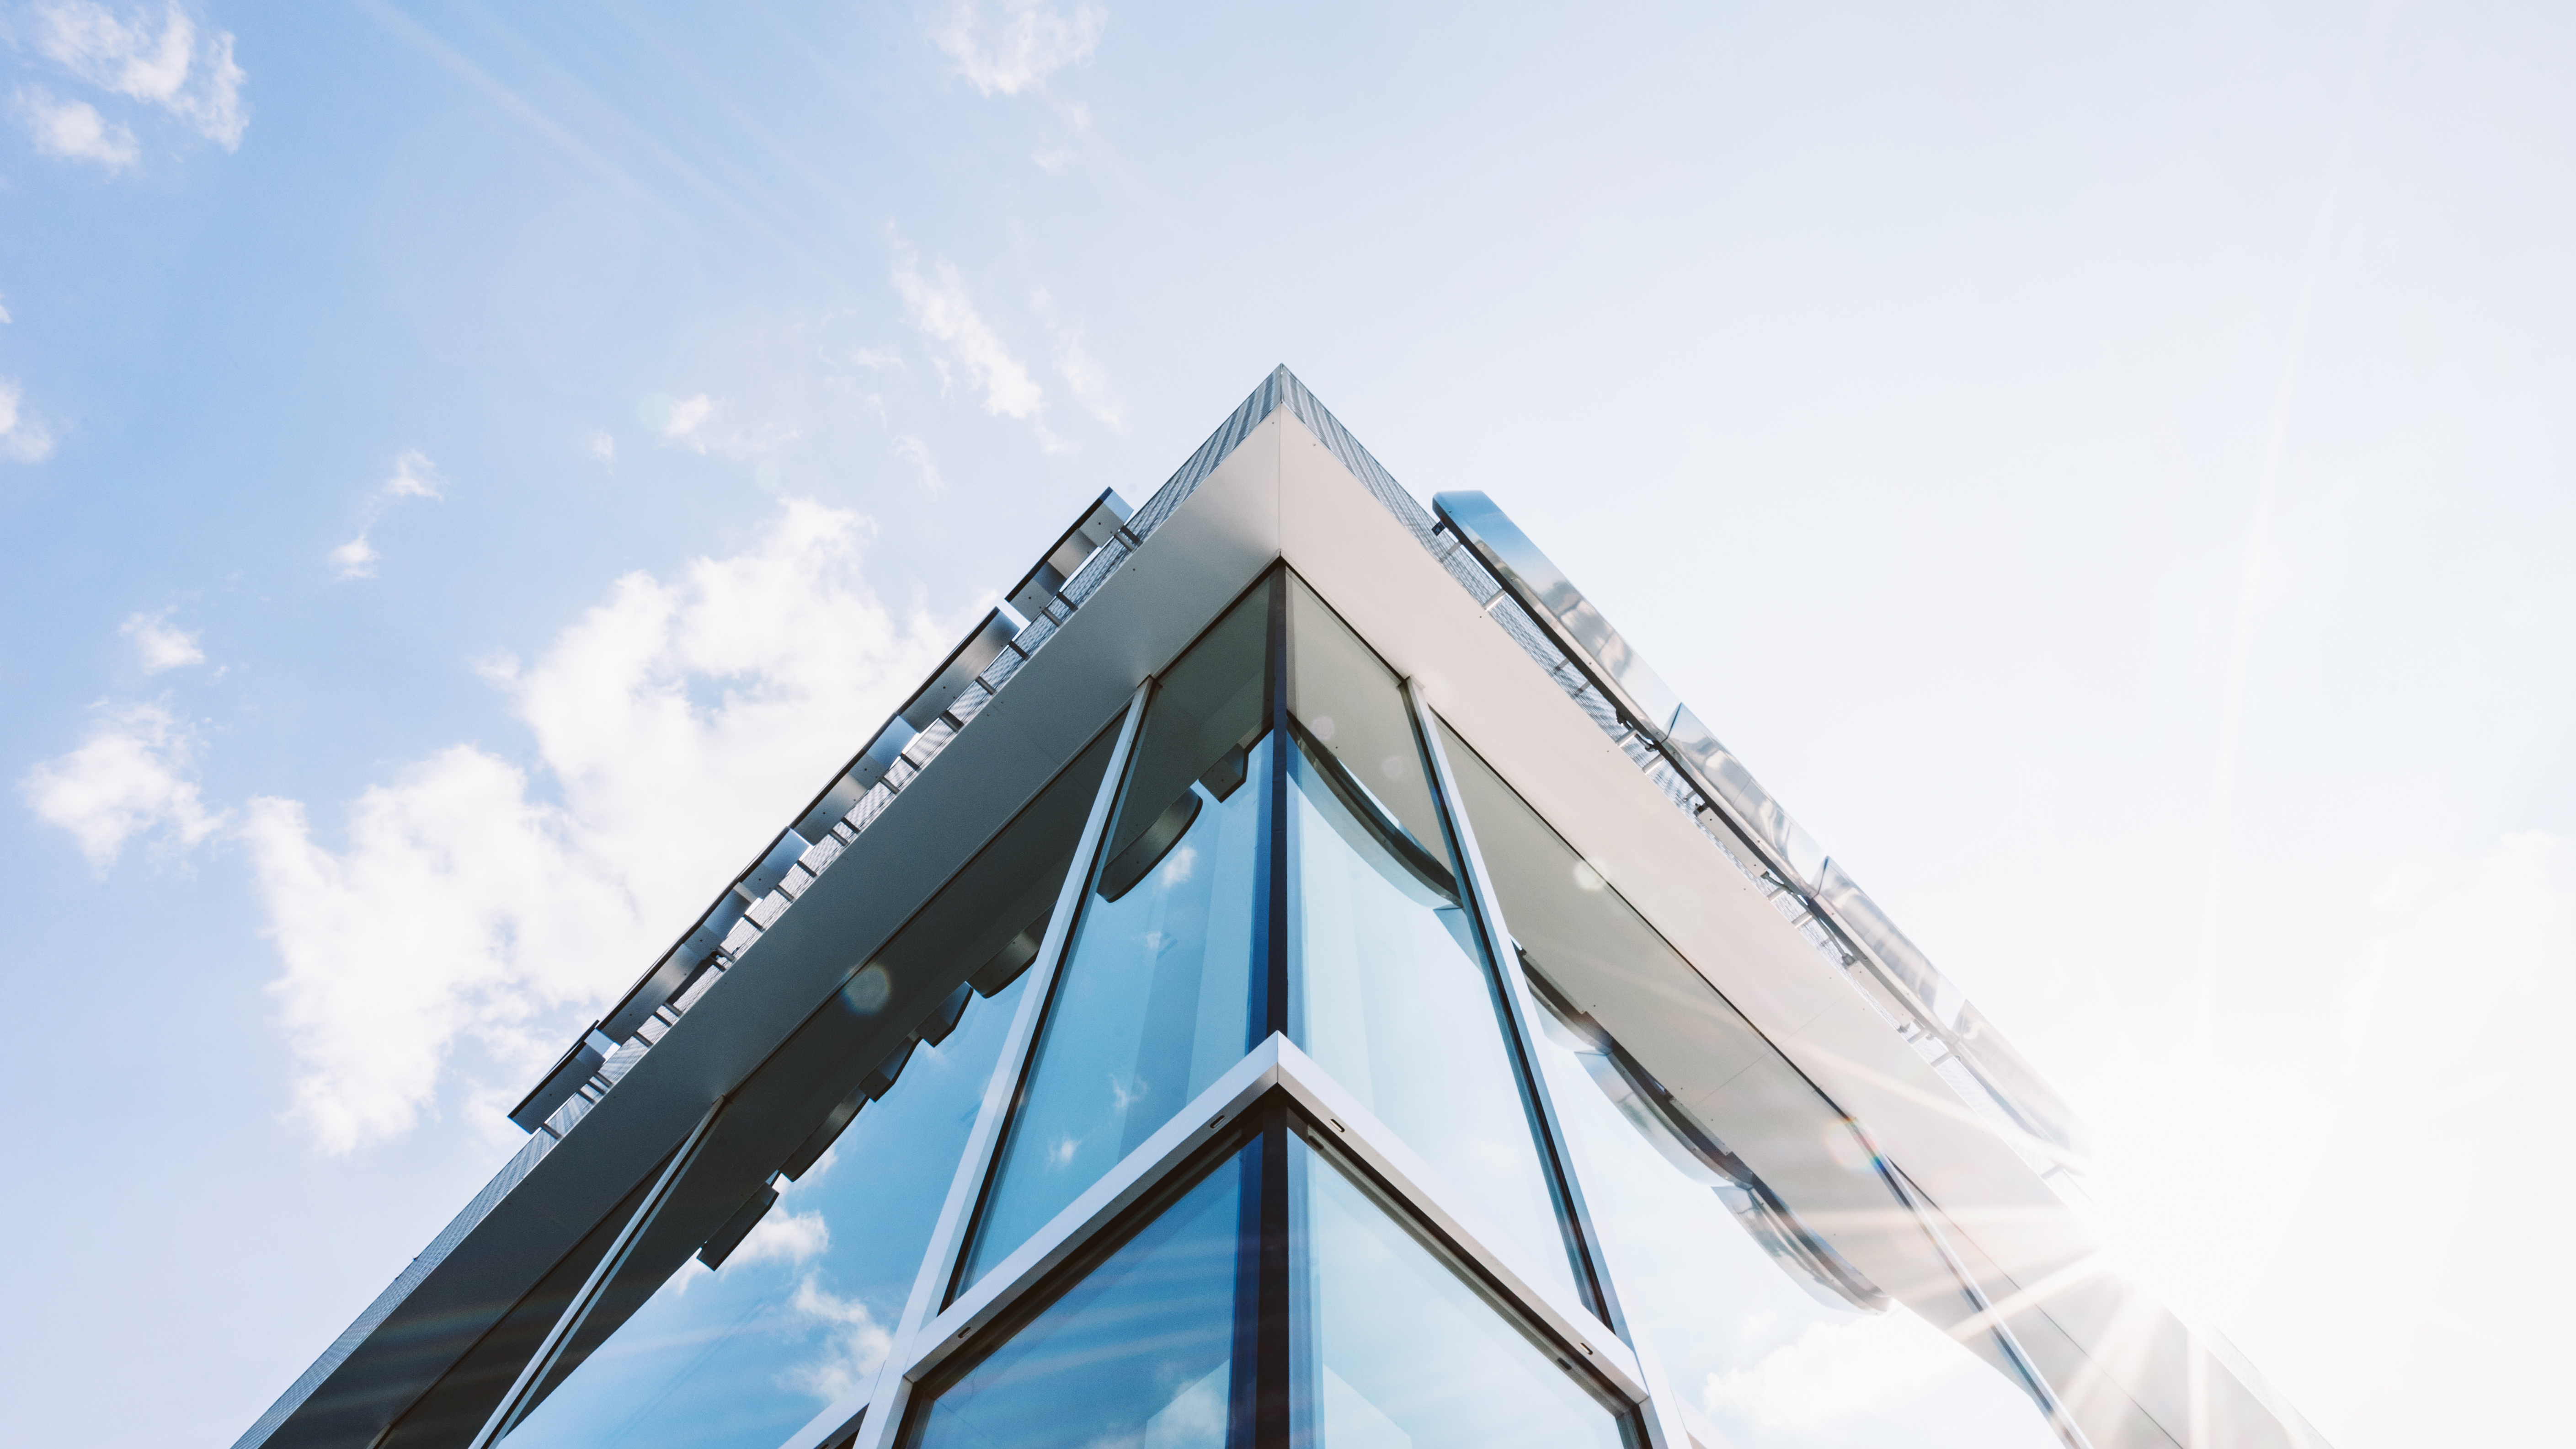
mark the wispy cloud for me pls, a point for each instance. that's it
(131, 776)
(678, 420)
(916, 452)
(603, 446)
(24, 438)
(75, 131)
(946, 314)
(1080, 370)
(414, 476)
(855, 1346)
(702, 423)
(473, 899)
(158, 645)
(356, 559)
(783, 1237)
(1016, 44)
(199, 83)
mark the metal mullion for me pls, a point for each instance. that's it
(1419, 1187)
(1981, 1308)
(1664, 1426)
(516, 1404)
(1216, 1111)
(1272, 1008)
(1522, 1007)
(884, 1398)
(1272, 1067)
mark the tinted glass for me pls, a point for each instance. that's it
(1400, 1352)
(1767, 1333)
(741, 1357)
(1154, 1000)
(1394, 997)
(1760, 1350)
(1138, 1353)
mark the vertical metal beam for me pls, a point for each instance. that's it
(1663, 1424)
(1271, 1009)
(883, 1399)
(1265, 1319)
(1980, 1309)
(522, 1397)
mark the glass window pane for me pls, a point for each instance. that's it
(1138, 1353)
(1766, 1333)
(1758, 1347)
(1393, 995)
(1154, 1000)
(743, 1356)
(1400, 1352)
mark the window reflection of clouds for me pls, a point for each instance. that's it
(1754, 1356)
(802, 1312)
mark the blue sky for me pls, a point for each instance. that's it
(474, 469)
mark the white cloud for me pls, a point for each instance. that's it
(356, 559)
(75, 131)
(604, 447)
(1081, 372)
(783, 1237)
(678, 420)
(158, 645)
(702, 424)
(125, 57)
(1020, 44)
(1836, 1371)
(129, 777)
(476, 902)
(24, 438)
(946, 315)
(916, 452)
(859, 1343)
(414, 476)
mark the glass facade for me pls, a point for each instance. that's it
(1400, 1350)
(1277, 853)
(1139, 1351)
(1396, 998)
(1176, 1339)
(1767, 1333)
(1155, 995)
(1275, 1075)
(801, 1313)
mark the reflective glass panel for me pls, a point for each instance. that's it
(1138, 1353)
(1393, 994)
(742, 1356)
(1767, 1333)
(1154, 999)
(1400, 1352)
(1758, 1348)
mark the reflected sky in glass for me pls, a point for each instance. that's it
(1400, 1353)
(1756, 1357)
(1394, 997)
(1395, 1002)
(1152, 1006)
(743, 1356)
(1138, 1355)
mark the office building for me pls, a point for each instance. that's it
(1294, 975)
